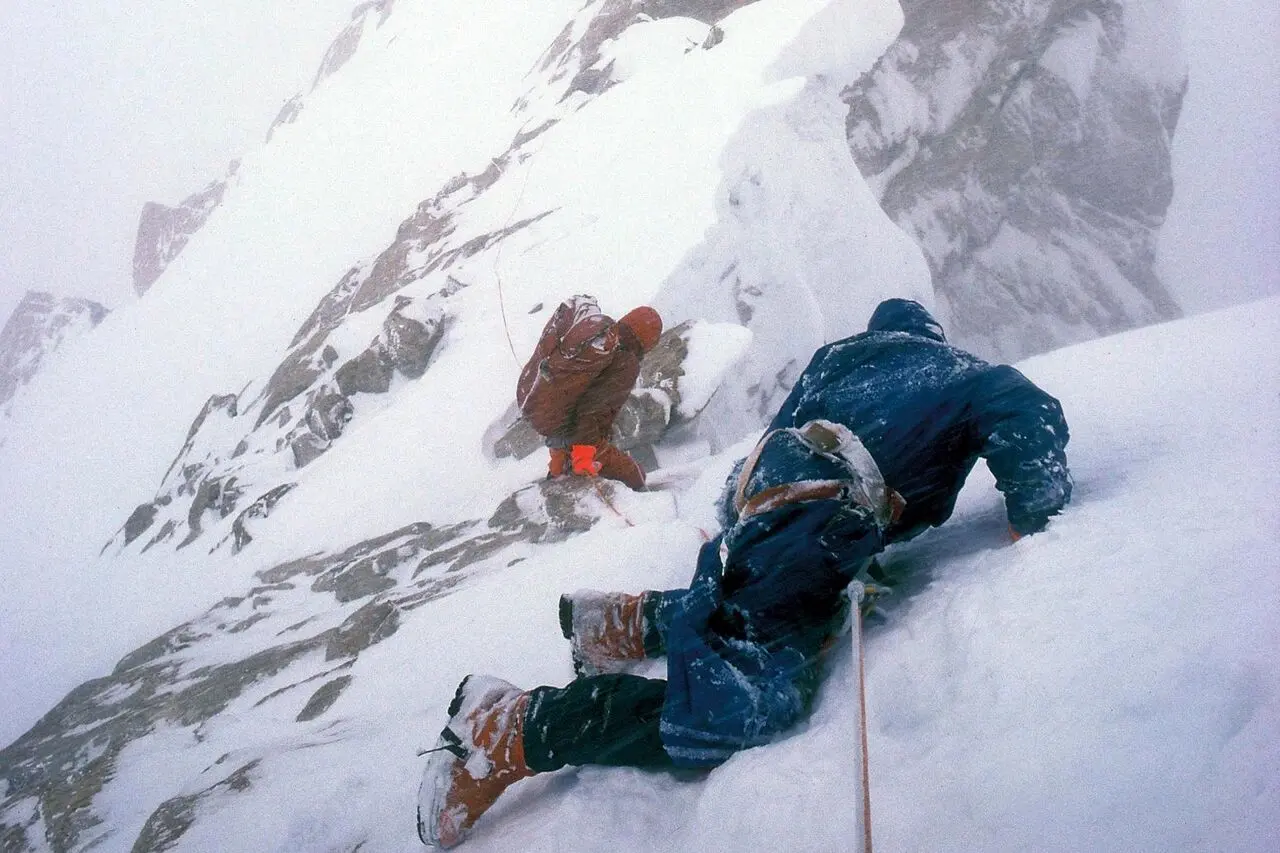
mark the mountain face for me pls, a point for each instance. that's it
(163, 231)
(38, 326)
(357, 476)
(1026, 147)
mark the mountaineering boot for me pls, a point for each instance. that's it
(558, 464)
(615, 464)
(606, 630)
(480, 753)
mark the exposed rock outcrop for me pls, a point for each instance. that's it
(39, 325)
(340, 52)
(163, 231)
(578, 60)
(365, 332)
(284, 650)
(1026, 150)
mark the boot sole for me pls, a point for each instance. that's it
(435, 778)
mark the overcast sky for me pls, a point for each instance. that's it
(106, 106)
(1221, 241)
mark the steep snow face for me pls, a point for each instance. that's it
(1102, 684)
(1221, 241)
(462, 171)
(37, 328)
(313, 382)
(1026, 148)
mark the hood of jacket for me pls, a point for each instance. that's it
(905, 315)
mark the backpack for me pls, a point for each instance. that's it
(577, 344)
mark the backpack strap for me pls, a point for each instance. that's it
(864, 486)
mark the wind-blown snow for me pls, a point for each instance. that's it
(748, 169)
(713, 349)
(1105, 685)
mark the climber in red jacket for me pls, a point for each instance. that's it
(575, 383)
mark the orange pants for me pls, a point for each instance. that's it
(613, 464)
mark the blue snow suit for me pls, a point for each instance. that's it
(927, 410)
(743, 640)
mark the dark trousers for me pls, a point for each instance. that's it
(604, 719)
(599, 720)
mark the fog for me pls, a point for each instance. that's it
(108, 106)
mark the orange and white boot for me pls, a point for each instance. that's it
(606, 630)
(479, 755)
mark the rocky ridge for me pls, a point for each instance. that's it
(286, 646)
(387, 317)
(279, 655)
(1027, 150)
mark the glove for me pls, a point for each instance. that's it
(584, 460)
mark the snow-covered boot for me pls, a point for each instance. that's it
(480, 753)
(606, 629)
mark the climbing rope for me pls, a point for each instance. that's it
(497, 259)
(595, 481)
(862, 716)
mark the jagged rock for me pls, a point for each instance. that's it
(323, 699)
(642, 420)
(323, 422)
(163, 231)
(328, 416)
(167, 824)
(288, 115)
(411, 340)
(1030, 159)
(39, 325)
(579, 58)
(344, 46)
(53, 774)
(360, 579)
(139, 522)
(260, 508)
(164, 534)
(512, 436)
(340, 51)
(410, 333)
(213, 494)
(368, 626)
(368, 373)
(553, 510)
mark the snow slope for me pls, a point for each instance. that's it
(1105, 685)
(754, 174)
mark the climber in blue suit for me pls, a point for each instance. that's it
(870, 448)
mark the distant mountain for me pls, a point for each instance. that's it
(39, 325)
(1026, 148)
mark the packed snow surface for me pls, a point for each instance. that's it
(1104, 685)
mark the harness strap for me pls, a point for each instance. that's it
(865, 486)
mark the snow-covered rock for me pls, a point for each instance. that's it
(1145, 697)
(1026, 147)
(39, 325)
(163, 231)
